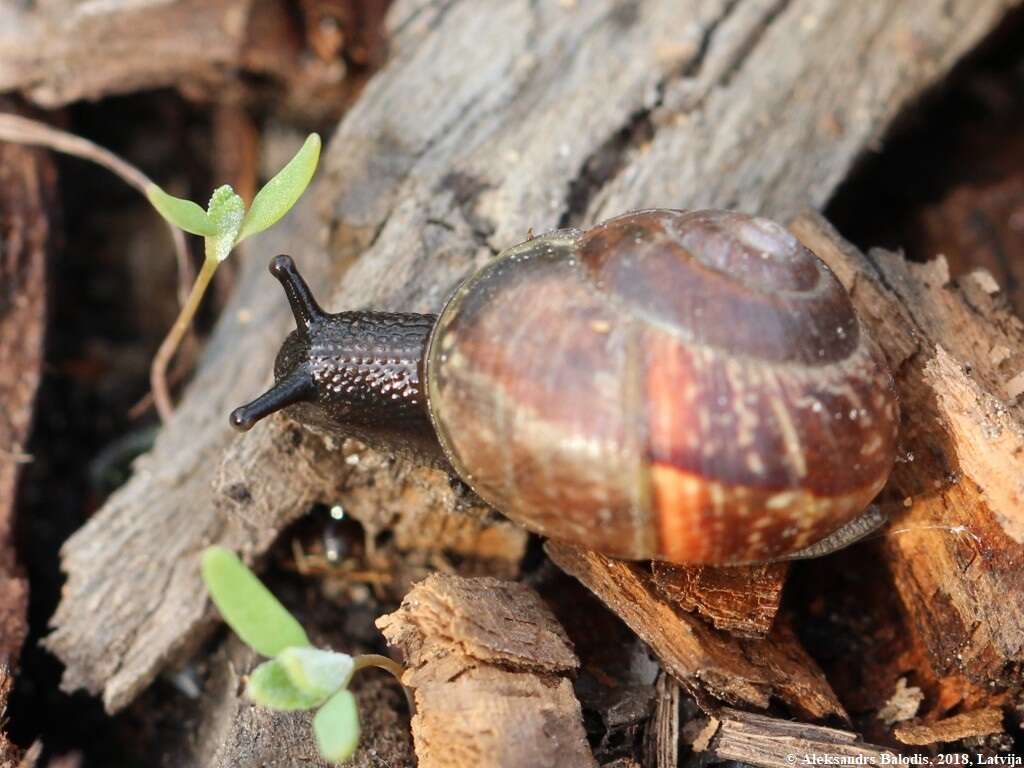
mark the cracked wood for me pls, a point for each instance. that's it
(27, 202)
(955, 546)
(488, 664)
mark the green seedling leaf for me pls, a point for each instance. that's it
(270, 687)
(183, 214)
(247, 606)
(315, 671)
(282, 192)
(336, 727)
(226, 210)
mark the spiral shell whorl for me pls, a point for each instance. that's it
(688, 386)
(722, 279)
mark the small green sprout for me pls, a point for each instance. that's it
(223, 225)
(297, 676)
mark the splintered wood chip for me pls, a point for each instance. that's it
(980, 722)
(954, 550)
(766, 741)
(713, 665)
(487, 662)
(741, 599)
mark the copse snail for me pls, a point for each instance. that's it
(685, 386)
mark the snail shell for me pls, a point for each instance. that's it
(693, 387)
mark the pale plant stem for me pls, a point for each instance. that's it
(388, 665)
(22, 130)
(381, 662)
(164, 355)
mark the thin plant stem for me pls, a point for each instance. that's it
(22, 130)
(388, 665)
(381, 662)
(164, 355)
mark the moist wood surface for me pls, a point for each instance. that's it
(50, 52)
(490, 120)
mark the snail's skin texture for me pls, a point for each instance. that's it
(686, 386)
(360, 369)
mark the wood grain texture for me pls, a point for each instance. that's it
(491, 118)
(488, 665)
(742, 599)
(27, 199)
(765, 741)
(980, 722)
(955, 546)
(661, 745)
(715, 667)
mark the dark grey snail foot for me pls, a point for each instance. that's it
(856, 530)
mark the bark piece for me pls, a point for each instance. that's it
(27, 184)
(955, 547)
(980, 722)
(703, 103)
(714, 666)
(59, 52)
(766, 741)
(661, 749)
(741, 599)
(487, 662)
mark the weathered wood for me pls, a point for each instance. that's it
(741, 599)
(713, 665)
(487, 662)
(48, 51)
(980, 722)
(955, 547)
(27, 186)
(549, 113)
(765, 741)
(661, 746)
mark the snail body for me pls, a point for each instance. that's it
(686, 386)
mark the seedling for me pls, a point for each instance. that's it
(223, 225)
(297, 676)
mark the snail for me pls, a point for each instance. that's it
(689, 386)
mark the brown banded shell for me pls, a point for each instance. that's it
(687, 386)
